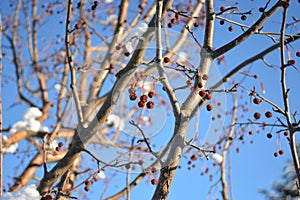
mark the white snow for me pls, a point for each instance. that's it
(116, 121)
(32, 113)
(51, 145)
(18, 126)
(135, 33)
(11, 149)
(182, 57)
(101, 175)
(28, 192)
(217, 157)
(108, 1)
(146, 85)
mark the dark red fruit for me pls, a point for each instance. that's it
(209, 107)
(268, 114)
(96, 3)
(141, 104)
(222, 22)
(261, 9)
(144, 98)
(251, 132)
(281, 152)
(256, 100)
(127, 53)
(93, 7)
(222, 9)
(170, 25)
(86, 188)
(166, 59)
(151, 94)
(132, 97)
(208, 96)
(202, 93)
(291, 62)
(243, 17)
(60, 144)
(230, 28)
(269, 135)
(57, 148)
(286, 133)
(256, 115)
(77, 26)
(276, 154)
(173, 20)
(196, 24)
(193, 157)
(255, 76)
(298, 54)
(153, 181)
(150, 104)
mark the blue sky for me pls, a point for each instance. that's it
(253, 168)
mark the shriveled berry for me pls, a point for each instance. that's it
(150, 104)
(230, 28)
(251, 132)
(87, 182)
(166, 59)
(256, 115)
(268, 114)
(269, 135)
(202, 93)
(256, 100)
(209, 107)
(77, 26)
(144, 98)
(86, 188)
(205, 77)
(127, 166)
(291, 62)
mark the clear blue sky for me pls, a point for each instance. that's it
(253, 168)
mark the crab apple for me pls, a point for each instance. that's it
(286, 133)
(144, 98)
(151, 94)
(269, 135)
(208, 96)
(60, 144)
(96, 3)
(127, 53)
(255, 76)
(141, 104)
(209, 107)
(222, 9)
(257, 115)
(77, 26)
(87, 182)
(243, 17)
(251, 132)
(281, 152)
(86, 188)
(193, 157)
(173, 20)
(222, 22)
(291, 62)
(261, 9)
(132, 97)
(196, 24)
(298, 53)
(202, 93)
(268, 114)
(166, 59)
(170, 24)
(256, 100)
(275, 154)
(230, 28)
(93, 7)
(153, 181)
(150, 104)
